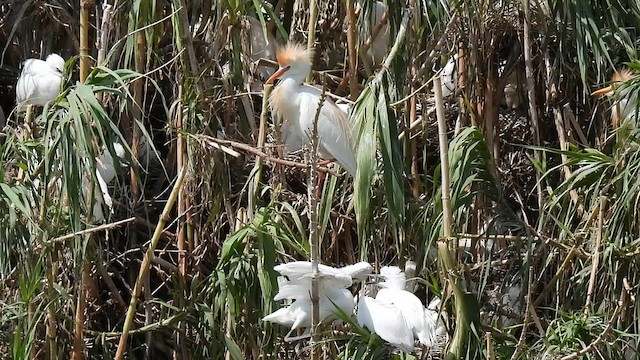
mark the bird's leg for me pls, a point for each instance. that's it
(326, 162)
(305, 334)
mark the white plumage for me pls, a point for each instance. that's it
(105, 173)
(387, 321)
(297, 103)
(295, 284)
(397, 315)
(39, 81)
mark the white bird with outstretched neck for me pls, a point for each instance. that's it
(295, 284)
(296, 104)
(39, 81)
(396, 314)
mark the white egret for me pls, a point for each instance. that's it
(393, 292)
(449, 77)
(296, 104)
(39, 81)
(295, 284)
(396, 314)
(379, 44)
(263, 46)
(105, 173)
(626, 103)
(387, 321)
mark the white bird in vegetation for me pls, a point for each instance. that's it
(39, 81)
(105, 173)
(379, 44)
(295, 284)
(296, 104)
(626, 103)
(263, 46)
(396, 314)
(449, 77)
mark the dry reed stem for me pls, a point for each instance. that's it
(146, 263)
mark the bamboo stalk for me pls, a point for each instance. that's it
(465, 308)
(262, 138)
(146, 263)
(313, 19)
(182, 231)
(78, 338)
(595, 258)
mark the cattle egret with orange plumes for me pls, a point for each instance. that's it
(296, 104)
(626, 102)
(39, 81)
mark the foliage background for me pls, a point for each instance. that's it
(562, 189)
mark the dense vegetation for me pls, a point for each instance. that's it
(544, 194)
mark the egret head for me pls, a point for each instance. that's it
(618, 77)
(56, 62)
(295, 63)
(394, 278)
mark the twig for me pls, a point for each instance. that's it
(252, 150)
(89, 231)
(146, 263)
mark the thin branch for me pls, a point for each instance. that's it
(252, 150)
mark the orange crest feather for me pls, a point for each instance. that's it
(623, 75)
(293, 52)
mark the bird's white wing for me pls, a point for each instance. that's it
(359, 271)
(334, 132)
(412, 311)
(298, 269)
(300, 288)
(387, 321)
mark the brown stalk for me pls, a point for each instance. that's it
(146, 263)
(182, 230)
(413, 114)
(351, 41)
(314, 230)
(565, 264)
(531, 92)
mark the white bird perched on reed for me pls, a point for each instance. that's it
(626, 103)
(296, 104)
(39, 81)
(396, 314)
(105, 173)
(295, 284)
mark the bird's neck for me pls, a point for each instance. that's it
(284, 99)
